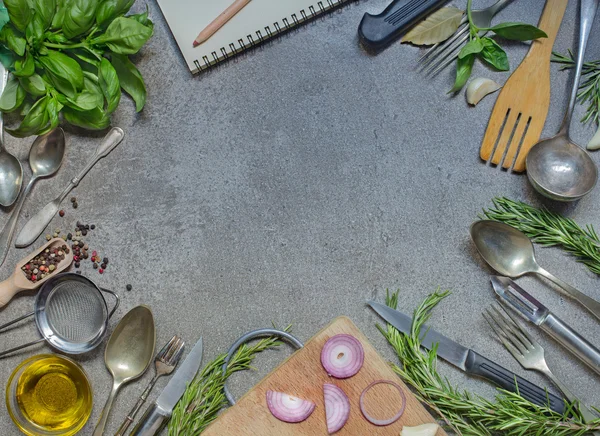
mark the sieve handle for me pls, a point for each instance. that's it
(117, 301)
(20, 347)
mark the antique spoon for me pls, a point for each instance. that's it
(11, 171)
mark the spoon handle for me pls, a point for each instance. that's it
(589, 303)
(587, 13)
(99, 430)
(9, 228)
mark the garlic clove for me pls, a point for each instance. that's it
(420, 430)
(479, 88)
(594, 143)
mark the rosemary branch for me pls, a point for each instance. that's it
(204, 397)
(589, 89)
(463, 412)
(549, 229)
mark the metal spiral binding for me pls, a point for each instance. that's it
(235, 48)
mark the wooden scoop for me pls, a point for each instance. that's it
(18, 282)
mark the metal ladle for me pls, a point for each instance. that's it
(128, 354)
(11, 171)
(557, 167)
(510, 252)
(45, 158)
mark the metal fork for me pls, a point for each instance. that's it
(443, 53)
(528, 352)
(164, 363)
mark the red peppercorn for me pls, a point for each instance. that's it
(61, 213)
(76, 258)
(27, 267)
(101, 271)
(94, 253)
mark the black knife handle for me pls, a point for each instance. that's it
(378, 31)
(478, 365)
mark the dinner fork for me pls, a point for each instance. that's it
(528, 352)
(164, 363)
(443, 53)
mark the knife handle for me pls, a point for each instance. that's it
(152, 422)
(377, 31)
(478, 365)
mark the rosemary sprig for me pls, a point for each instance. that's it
(204, 397)
(589, 89)
(549, 229)
(463, 412)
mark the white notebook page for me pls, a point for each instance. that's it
(187, 18)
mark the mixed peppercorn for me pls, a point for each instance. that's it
(44, 263)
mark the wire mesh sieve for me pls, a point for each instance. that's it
(71, 314)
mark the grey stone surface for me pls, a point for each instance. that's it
(293, 183)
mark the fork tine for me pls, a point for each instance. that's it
(508, 333)
(163, 352)
(448, 60)
(434, 48)
(445, 58)
(519, 326)
(500, 333)
(177, 355)
(433, 53)
(513, 330)
(174, 347)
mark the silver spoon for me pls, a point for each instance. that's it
(557, 167)
(11, 171)
(45, 158)
(510, 252)
(36, 224)
(128, 354)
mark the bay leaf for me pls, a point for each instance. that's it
(437, 27)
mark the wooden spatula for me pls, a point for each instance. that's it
(520, 112)
(18, 282)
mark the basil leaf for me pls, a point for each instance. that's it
(26, 107)
(109, 83)
(4, 18)
(85, 57)
(13, 39)
(7, 57)
(143, 19)
(45, 9)
(110, 9)
(34, 85)
(25, 67)
(94, 119)
(130, 79)
(64, 72)
(35, 121)
(79, 17)
(124, 36)
(472, 47)
(13, 95)
(518, 31)
(19, 12)
(85, 101)
(464, 66)
(35, 30)
(494, 55)
(61, 9)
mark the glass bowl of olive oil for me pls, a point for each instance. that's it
(49, 394)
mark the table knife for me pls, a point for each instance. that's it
(541, 316)
(378, 31)
(470, 361)
(159, 413)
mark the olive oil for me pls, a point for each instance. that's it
(54, 394)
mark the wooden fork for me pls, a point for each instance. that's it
(520, 112)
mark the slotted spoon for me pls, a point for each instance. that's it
(520, 112)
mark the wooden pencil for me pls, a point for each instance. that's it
(220, 21)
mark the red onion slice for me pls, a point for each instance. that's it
(342, 356)
(382, 422)
(288, 408)
(337, 407)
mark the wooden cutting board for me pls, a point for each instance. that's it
(302, 375)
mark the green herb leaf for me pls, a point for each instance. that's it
(7, 58)
(79, 17)
(124, 36)
(109, 83)
(35, 30)
(52, 111)
(494, 55)
(20, 13)
(111, 9)
(143, 18)
(95, 119)
(518, 31)
(64, 72)
(130, 79)
(464, 66)
(472, 47)
(34, 85)
(61, 9)
(45, 9)
(25, 67)
(4, 18)
(35, 121)
(13, 39)
(85, 101)
(13, 95)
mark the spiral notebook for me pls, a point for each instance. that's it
(259, 21)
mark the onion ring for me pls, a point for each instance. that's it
(382, 422)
